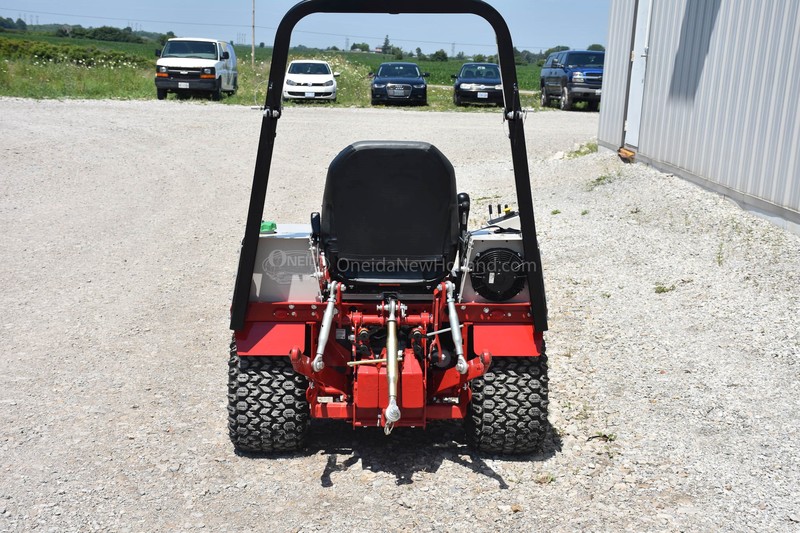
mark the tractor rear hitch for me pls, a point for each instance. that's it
(392, 412)
(455, 328)
(325, 327)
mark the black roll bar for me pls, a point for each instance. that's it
(272, 112)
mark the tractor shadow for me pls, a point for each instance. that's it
(408, 451)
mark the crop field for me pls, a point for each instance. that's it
(46, 66)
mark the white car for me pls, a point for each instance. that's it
(308, 79)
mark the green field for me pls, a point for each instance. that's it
(45, 66)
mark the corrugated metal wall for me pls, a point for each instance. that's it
(615, 73)
(721, 94)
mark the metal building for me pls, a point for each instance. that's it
(709, 90)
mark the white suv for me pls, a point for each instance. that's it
(308, 79)
(189, 65)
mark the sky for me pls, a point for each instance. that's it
(535, 24)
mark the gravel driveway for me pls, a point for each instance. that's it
(674, 344)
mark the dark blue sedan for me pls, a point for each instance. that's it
(478, 83)
(399, 83)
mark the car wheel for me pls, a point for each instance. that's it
(566, 101)
(161, 94)
(545, 98)
(456, 100)
(216, 94)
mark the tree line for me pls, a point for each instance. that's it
(521, 57)
(10, 24)
(103, 33)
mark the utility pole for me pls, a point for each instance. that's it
(253, 44)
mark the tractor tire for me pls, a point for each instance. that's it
(545, 98)
(566, 100)
(267, 407)
(508, 411)
(161, 94)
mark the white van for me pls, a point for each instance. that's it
(188, 65)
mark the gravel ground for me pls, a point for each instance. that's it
(674, 320)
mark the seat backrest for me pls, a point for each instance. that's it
(389, 213)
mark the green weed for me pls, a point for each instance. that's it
(545, 479)
(582, 150)
(605, 437)
(602, 180)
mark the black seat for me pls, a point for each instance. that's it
(390, 215)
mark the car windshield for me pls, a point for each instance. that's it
(309, 68)
(585, 60)
(399, 71)
(198, 49)
(480, 71)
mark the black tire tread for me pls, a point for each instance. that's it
(267, 407)
(508, 411)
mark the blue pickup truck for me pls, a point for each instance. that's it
(573, 76)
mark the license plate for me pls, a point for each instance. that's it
(310, 95)
(483, 95)
(396, 92)
(598, 91)
(183, 85)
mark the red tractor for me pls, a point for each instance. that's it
(386, 310)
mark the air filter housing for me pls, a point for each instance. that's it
(498, 274)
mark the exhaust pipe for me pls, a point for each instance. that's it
(455, 329)
(325, 328)
(392, 412)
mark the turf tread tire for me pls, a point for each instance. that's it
(508, 411)
(267, 407)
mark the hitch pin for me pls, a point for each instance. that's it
(366, 362)
(445, 330)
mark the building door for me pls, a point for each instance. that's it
(641, 39)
